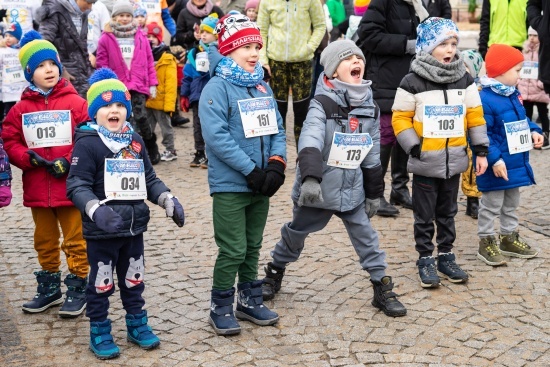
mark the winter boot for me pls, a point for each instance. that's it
(472, 207)
(75, 298)
(514, 245)
(101, 341)
(152, 149)
(400, 177)
(48, 292)
(222, 317)
(427, 272)
(448, 268)
(139, 332)
(385, 300)
(250, 304)
(489, 252)
(386, 209)
(272, 281)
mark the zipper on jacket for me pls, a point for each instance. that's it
(132, 223)
(261, 137)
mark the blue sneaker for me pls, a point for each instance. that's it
(139, 332)
(48, 292)
(101, 341)
(222, 317)
(427, 272)
(250, 304)
(75, 298)
(448, 268)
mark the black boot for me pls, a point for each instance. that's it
(152, 149)
(385, 300)
(400, 177)
(222, 317)
(300, 113)
(472, 206)
(386, 209)
(75, 298)
(272, 281)
(48, 292)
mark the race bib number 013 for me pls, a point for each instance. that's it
(443, 121)
(125, 179)
(258, 116)
(47, 129)
(518, 136)
(348, 150)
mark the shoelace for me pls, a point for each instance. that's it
(492, 249)
(430, 270)
(519, 242)
(453, 266)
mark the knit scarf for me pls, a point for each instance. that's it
(496, 86)
(124, 31)
(418, 8)
(201, 12)
(427, 67)
(119, 143)
(357, 93)
(228, 69)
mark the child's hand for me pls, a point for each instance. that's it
(537, 140)
(500, 170)
(481, 165)
(5, 196)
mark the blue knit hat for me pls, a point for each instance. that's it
(140, 12)
(434, 31)
(105, 88)
(34, 51)
(209, 23)
(14, 29)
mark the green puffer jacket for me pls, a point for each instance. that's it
(291, 30)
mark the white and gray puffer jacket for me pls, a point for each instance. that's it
(342, 189)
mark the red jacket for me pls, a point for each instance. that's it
(41, 189)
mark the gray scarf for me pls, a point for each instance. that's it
(357, 93)
(418, 8)
(426, 66)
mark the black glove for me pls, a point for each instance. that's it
(275, 178)
(59, 167)
(36, 160)
(107, 219)
(255, 179)
(415, 151)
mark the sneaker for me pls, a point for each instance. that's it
(199, 159)
(168, 156)
(448, 268)
(427, 272)
(514, 245)
(489, 252)
(546, 144)
(205, 163)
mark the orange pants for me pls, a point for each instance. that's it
(46, 239)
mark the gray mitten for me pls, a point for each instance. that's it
(310, 192)
(411, 47)
(372, 206)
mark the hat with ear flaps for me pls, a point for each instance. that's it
(34, 51)
(105, 88)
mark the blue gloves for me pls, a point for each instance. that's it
(107, 219)
(172, 207)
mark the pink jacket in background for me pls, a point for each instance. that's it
(532, 90)
(142, 73)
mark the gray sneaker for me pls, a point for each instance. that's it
(489, 252)
(168, 156)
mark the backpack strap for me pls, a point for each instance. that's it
(332, 109)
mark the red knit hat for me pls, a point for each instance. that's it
(236, 30)
(501, 58)
(155, 30)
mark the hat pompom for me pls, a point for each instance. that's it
(102, 74)
(30, 36)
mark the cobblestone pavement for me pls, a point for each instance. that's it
(499, 318)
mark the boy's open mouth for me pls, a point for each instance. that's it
(356, 73)
(114, 119)
(446, 60)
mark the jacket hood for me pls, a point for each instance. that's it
(214, 56)
(341, 95)
(50, 7)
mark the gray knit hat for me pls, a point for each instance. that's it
(337, 51)
(122, 6)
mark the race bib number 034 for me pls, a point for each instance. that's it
(125, 179)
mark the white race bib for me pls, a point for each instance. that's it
(258, 116)
(348, 150)
(201, 62)
(530, 70)
(47, 128)
(443, 121)
(518, 135)
(11, 70)
(151, 6)
(125, 179)
(126, 47)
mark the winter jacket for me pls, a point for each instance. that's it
(57, 27)
(291, 30)
(41, 189)
(185, 35)
(541, 23)
(5, 168)
(167, 89)
(160, 15)
(532, 90)
(337, 11)
(86, 182)
(439, 157)
(193, 81)
(142, 73)
(98, 18)
(497, 110)
(232, 156)
(383, 34)
(343, 189)
(439, 8)
(502, 21)
(11, 92)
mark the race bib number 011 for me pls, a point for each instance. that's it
(348, 150)
(47, 129)
(443, 121)
(518, 136)
(125, 179)
(258, 116)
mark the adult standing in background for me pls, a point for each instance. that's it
(438, 8)
(65, 24)
(189, 20)
(387, 36)
(228, 5)
(538, 13)
(502, 21)
(97, 20)
(291, 30)
(175, 7)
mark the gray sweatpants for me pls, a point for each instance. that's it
(307, 220)
(163, 119)
(494, 204)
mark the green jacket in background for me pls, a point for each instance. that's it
(291, 30)
(337, 11)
